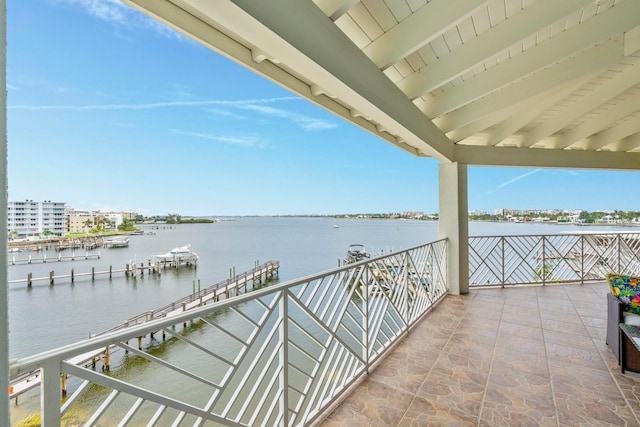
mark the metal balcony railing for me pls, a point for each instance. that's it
(276, 356)
(554, 258)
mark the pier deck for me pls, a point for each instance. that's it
(226, 288)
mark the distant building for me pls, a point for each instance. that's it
(80, 221)
(413, 215)
(29, 218)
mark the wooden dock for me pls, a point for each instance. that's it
(43, 259)
(133, 269)
(224, 289)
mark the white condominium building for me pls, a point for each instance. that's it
(31, 218)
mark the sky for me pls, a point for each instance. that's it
(108, 109)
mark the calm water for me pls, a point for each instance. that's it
(45, 317)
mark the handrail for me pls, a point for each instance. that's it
(276, 356)
(552, 258)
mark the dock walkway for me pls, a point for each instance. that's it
(224, 289)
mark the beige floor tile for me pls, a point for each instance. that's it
(528, 356)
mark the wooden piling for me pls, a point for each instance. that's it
(93, 273)
(29, 277)
(72, 275)
(51, 278)
(64, 384)
(106, 363)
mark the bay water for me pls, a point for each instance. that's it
(44, 317)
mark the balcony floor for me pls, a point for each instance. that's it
(526, 356)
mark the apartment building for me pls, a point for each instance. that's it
(29, 218)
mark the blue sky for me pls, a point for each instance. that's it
(108, 109)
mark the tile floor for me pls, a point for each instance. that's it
(526, 356)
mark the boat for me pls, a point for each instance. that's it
(335, 226)
(178, 256)
(117, 243)
(356, 253)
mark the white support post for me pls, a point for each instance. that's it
(454, 224)
(50, 393)
(4, 302)
(284, 357)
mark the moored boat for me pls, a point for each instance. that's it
(356, 253)
(178, 255)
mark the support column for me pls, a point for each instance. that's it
(454, 224)
(4, 303)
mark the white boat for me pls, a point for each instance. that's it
(117, 243)
(178, 255)
(356, 253)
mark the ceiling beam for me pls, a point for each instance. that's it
(605, 138)
(342, 69)
(419, 29)
(525, 112)
(628, 144)
(603, 26)
(543, 158)
(588, 61)
(334, 9)
(603, 120)
(603, 93)
(287, 52)
(497, 39)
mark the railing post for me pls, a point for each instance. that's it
(619, 254)
(544, 262)
(284, 357)
(50, 393)
(503, 260)
(406, 289)
(365, 295)
(582, 259)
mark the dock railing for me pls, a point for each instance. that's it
(552, 258)
(279, 355)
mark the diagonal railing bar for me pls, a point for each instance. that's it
(253, 390)
(103, 407)
(254, 365)
(226, 332)
(171, 366)
(331, 333)
(562, 261)
(132, 411)
(124, 387)
(553, 258)
(278, 355)
(192, 344)
(241, 356)
(75, 395)
(516, 258)
(480, 268)
(274, 404)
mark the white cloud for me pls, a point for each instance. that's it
(121, 15)
(242, 140)
(518, 178)
(147, 106)
(107, 10)
(306, 122)
(225, 113)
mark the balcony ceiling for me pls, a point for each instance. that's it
(543, 83)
